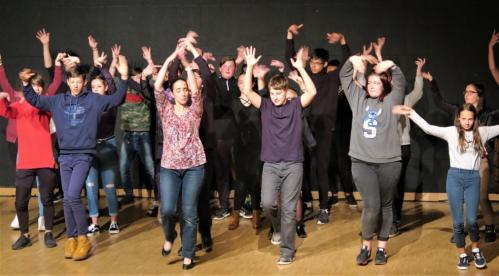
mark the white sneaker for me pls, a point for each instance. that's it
(15, 223)
(41, 224)
(113, 228)
(276, 238)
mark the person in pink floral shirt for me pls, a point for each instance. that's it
(182, 163)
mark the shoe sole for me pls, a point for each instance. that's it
(114, 232)
(393, 235)
(462, 267)
(221, 218)
(364, 263)
(93, 234)
(275, 243)
(28, 245)
(284, 263)
(321, 222)
(480, 266)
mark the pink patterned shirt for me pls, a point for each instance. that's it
(182, 148)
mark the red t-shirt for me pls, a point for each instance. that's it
(33, 132)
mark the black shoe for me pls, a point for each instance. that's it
(350, 200)
(333, 200)
(364, 256)
(490, 233)
(479, 259)
(152, 211)
(463, 263)
(58, 197)
(394, 230)
(207, 246)
(188, 266)
(323, 217)
(49, 240)
(126, 199)
(21, 243)
(164, 252)
(300, 231)
(221, 214)
(381, 256)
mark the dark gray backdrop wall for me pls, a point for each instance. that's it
(452, 35)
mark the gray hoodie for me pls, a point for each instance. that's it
(374, 136)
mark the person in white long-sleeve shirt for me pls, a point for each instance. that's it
(466, 139)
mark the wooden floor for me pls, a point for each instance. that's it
(422, 248)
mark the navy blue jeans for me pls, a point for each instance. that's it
(135, 142)
(184, 185)
(463, 186)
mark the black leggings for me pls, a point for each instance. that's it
(24, 182)
(322, 127)
(341, 163)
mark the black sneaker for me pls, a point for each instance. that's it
(57, 197)
(152, 211)
(245, 213)
(93, 229)
(221, 214)
(463, 263)
(490, 233)
(394, 230)
(21, 242)
(49, 240)
(381, 256)
(364, 256)
(479, 259)
(350, 200)
(333, 200)
(126, 199)
(323, 217)
(300, 231)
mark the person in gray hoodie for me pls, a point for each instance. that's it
(374, 145)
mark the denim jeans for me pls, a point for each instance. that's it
(463, 186)
(135, 142)
(184, 185)
(104, 168)
(74, 170)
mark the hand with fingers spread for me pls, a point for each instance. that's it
(146, 54)
(43, 36)
(427, 76)
(249, 56)
(298, 63)
(401, 110)
(378, 46)
(294, 29)
(100, 60)
(92, 42)
(116, 49)
(122, 67)
(420, 62)
(333, 38)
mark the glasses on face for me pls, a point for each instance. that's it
(320, 63)
(469, 92)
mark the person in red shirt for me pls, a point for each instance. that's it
(35, 155)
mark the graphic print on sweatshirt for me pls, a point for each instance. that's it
(75, 114)
(370, 122)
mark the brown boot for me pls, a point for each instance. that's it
(234, 220)
(255, 221)
(70, 248)
(83, 249)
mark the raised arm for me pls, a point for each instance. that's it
(333, 38)
(417, 92)
(378, 47)
(5, 110)
(4, 82)
(56, 82)
(44, 38)
(253, 97)
(309, 90)
(44, 103)
(115, 50)
(117, 98)
(438, 99)
(92, 43)
(492, 64)
(440, 132)
(290, 52)
(398, 80)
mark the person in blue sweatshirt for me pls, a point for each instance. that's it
(76, 115)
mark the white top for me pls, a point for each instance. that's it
(470, 159)
(410, 100)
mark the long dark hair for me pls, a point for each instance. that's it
(477, 142)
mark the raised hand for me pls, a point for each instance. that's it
(208, 56)
(368, 50)
(43, 36)
(122, 67)
(116, 49)
(240, 54)
(25, 75)
(70, 61)
(146, 54)
(298, 64)
(192, 37)
(260, 70)
(100, 60)
(293, 75)
(92, 42)
(58, 59)
(5, 95)
(494, 39)
(1, 62)
(427, 76)
(249, 56)
(420, 62)
(401, 110)
(148, 71)
(333, 38)
(278, 64)
(383, 66)
(378, 46)
(294, 29)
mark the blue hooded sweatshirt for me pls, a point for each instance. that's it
(76, 118)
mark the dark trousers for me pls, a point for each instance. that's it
(223, 169)
(322, 128)
(204, 212)
(24, 182)
(306, 189)
(398, 196)
(341, 164)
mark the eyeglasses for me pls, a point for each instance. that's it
(466, 92)
(316, 63)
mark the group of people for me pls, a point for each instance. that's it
(269, 133)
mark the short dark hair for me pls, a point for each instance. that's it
(334, 62)
(76, 72)
(320, 53)
(278, 82)
(136, 70)
(226, 59)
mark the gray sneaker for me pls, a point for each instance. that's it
(285, 260)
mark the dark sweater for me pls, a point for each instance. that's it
(76, 117)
